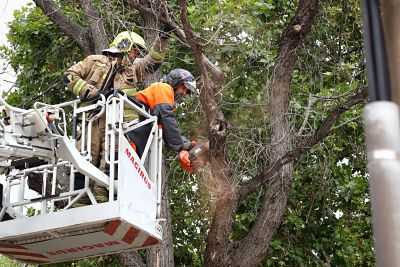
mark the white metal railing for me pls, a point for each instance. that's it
(61, 199)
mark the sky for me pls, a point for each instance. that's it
(7, 8)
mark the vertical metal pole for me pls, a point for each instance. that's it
(43, 209)
(83, 132)
(159, 173)
(53, 187)
(74, 123)
(383, 143)
(7, 192)
(112, 150)
(375, 52)
(89, 137)
(71, 178)
(21, 192)
(152, 167)
(74, 136)
(106, 131)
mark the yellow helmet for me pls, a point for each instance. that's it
(126, 41)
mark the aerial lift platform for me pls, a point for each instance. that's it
(35, 142)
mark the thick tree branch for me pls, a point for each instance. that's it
(96, 26)
(217, 74)
(226, 202)
(358, 97)
(217, 123)
(274, 202)
(67, 26)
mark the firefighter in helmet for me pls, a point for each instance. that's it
(126, 62)
(160, 99)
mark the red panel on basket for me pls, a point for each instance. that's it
(112, 227)
(131, 235)
(150, 241)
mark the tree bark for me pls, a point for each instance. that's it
(130, 259)
(96, 26)
(67, 26)
(225, 194)
(150, 25)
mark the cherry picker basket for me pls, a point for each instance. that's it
(50, 227)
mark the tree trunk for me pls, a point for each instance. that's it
(163, 254)
(96, 26)
(130, 259)
(253, 249)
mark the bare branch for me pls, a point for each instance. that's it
(307, 114)
(358, 97)
(193, 44)
(67, 26)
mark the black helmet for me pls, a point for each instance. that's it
(178, 76)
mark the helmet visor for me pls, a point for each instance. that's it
(112, 51)
(191, 87)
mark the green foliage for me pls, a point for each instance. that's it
(101, 261)
(39, 54)
(31, 211)
(190, 212)
(7, 262)
(328, 218)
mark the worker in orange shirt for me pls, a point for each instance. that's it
(160, 99)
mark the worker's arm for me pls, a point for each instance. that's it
(75, 77)
(152, 61)
(160, 98)
(171, 133)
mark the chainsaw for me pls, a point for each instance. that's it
(195, 158)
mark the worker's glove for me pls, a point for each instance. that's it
(186, 164)
(90, 92)
(166, 30)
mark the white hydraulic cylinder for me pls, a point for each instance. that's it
(382, 129)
